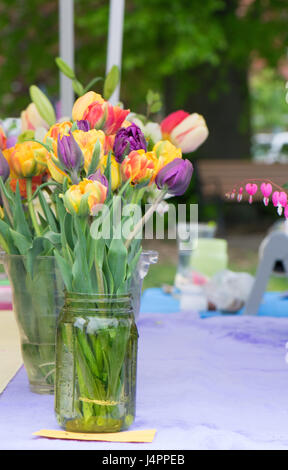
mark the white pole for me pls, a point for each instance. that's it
(115, 41)
(66, 36)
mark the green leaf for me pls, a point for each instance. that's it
(133, 264)
(111, 82)
(21, 242)
(65, 269)
(65, 68)
(6, 235)
(285, 186)
(93, 82)
(153, 101)
(26, 135)
(150, 97)
(51, 219)
(155, 107)
(107, 173)
(80, 269)
(117, 261)
(78, 87)
(53, 237)
(36, 250)
(95, 158)
(19, 219)
(43, 105)
(10, 196)
(108, 275)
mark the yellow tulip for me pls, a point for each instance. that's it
(163, 153)
(28, 159)
(87, 141)
(115, 171)
(82, 199)
(55, 172)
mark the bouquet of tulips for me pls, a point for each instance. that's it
(70, 189)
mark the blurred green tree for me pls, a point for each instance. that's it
(196, 53)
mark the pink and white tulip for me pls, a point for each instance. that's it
(184, 130)
(31, 119)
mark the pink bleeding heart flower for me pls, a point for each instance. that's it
(266, 189)
(282, 202)
(275, 198)
(240, 194)
(251, 189)
(283, 199)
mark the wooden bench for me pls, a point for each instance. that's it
(218, 177)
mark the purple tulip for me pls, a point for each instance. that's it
(69, 153)
(97, 176)
(83, 125)
(175, 176)
(11, 141)
(128, 139)
(4, 167)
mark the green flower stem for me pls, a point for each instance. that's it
(99, 275)
(4, 245)
(31, 207)
(6, 207)
(145, 218)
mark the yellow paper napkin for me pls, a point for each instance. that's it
(146, 435)
(10, 352)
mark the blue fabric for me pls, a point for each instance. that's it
(274, 304)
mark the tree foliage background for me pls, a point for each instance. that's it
(196, 53)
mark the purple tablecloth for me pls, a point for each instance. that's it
(216, 383)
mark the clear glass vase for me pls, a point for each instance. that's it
(38, 296)
(96, 355)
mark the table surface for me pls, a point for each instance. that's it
(213, 383)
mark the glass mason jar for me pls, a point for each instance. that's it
(96, 354)
(38, 296)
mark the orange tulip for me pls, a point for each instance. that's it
(137, 167)
(58, 128)
(36, 181)
(3, 139)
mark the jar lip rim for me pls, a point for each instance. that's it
(98, 297)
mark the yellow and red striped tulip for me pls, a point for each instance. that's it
(58, 128)
(106, 117)
(137, 167)
(187, 131)
(82, 103)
